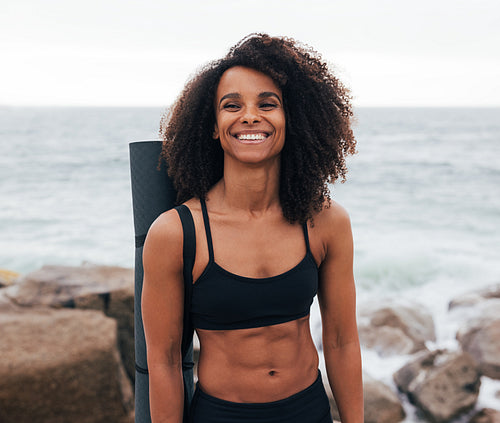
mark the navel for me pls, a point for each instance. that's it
(272, 372)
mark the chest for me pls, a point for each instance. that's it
(257, 252)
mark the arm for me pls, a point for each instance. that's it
(337, 300)
(162, 312)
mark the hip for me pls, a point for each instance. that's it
(310, 405)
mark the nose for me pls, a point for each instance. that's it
(250, 115)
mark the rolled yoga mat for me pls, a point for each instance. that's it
(152, 194)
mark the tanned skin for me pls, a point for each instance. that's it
(251, 238)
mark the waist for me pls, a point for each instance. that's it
(317, 384)
(307, 405)
(253, 365)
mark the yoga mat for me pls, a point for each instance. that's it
(152, 194)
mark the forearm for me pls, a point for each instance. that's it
(166, 393)
(343, 366)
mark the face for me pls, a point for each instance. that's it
(250, 119)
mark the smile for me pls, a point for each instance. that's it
(255, 137)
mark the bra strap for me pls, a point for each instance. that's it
(207, 230)
(306, 236)
(188, 254)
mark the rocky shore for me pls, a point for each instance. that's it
(67, 345)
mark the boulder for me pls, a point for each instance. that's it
(442, 384)
(109, 289)
(6, 305)
(382, 405)
(61, 365)
(7, 277)
(474, 297)
(69, 286)
(486, 415)
(386, 341)
(395, 328)
(481, 338)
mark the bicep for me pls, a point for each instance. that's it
(163, 293)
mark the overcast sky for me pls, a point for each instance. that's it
(140, 53)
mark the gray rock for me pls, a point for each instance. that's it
(68, 286)
(395, 328)
(109, 289)
(481, 338)
(442, 384)
(382, 405)
(486, 415)
(386, 340)
(61, 365)
(474, 297)
(6, 305)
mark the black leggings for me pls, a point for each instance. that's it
(308, 406)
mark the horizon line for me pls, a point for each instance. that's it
(111, 106)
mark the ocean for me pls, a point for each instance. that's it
(422, 192)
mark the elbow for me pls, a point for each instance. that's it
(168, 358)
(337, 342)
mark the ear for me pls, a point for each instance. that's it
(215, 135)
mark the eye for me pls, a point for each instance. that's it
(268, 106)
(231, 106)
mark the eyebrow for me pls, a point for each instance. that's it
(264, 94)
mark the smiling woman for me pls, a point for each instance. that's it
(318, 115)
(251, 144)
(249, 113)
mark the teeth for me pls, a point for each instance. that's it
(252, 136)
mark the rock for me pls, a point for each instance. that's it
(487, 309)
(61, 365)
(7, 277)
(385, 340)
(442, 384)
(68, 286)
(481, 338)
(6, 305)
(382, 405)
(474, 297)
(106, 288)
(395, 328)
(486, 415)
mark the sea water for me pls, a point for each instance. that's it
(423, 194)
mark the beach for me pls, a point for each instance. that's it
(422, 193)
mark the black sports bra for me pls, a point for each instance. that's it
(222, 300)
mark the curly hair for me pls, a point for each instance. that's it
(318, 114)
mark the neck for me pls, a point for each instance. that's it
(254, 189)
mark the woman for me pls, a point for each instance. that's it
(251, 144)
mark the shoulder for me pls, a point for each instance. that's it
(166, 233)
(332, 216)
(332, 220)
(166, 228)
(164, 243)
(330, 230)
